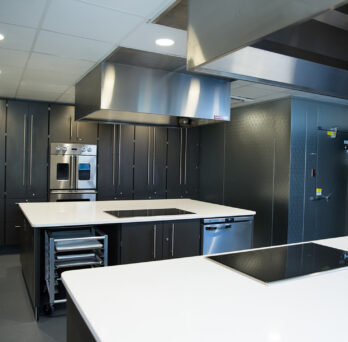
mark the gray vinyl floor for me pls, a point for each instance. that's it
(17, 322)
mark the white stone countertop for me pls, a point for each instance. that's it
(197, 300)
(56, 214)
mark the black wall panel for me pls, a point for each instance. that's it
(245, 164)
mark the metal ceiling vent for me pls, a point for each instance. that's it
(119, 93)
(296, 44)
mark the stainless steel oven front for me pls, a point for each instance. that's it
(73, 167)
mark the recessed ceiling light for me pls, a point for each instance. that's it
(165, 42)
(2, 37)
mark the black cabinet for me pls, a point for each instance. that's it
(26, 149)
(150, 162)
(191, 162)
(2, 169)
(2, 223)
(148, 241)
(183, 162)
(115, 161)
(181, 239)
(14, 218)
(64, 128)
(141, 242)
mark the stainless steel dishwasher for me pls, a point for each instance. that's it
(227, 234)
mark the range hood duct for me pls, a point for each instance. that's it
(274, 42)
(127, 94)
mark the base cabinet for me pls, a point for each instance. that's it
(14, 221)
(140, 242)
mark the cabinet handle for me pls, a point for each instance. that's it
(154, 156)
(185, 166)
(17, 226)
(70, 128)
(154, 240)
(119, 156)
(72, 172)
(24, 146)
(148, 156)
(173, 230)
(113, 153)
(180, 158)
(77, 131)
(31, 149)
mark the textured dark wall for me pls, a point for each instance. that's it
(314, 149)
(254, 170)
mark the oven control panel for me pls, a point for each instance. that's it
(73, 149)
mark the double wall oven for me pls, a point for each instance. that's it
(73, 172)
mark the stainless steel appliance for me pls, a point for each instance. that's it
(73, 172)
(227, 234)
(68, 250)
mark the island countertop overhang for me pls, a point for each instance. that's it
(60, 214)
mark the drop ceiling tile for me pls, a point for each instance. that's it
(71, 47)
(142, 8)
(22, 12)
(50, 77)
(251, 92)
(8, 88)
(43, 86)
(59, 64)
(16, 37)
(30, 94)
(88, 21)
(14, 58)
(10, 74)
(144, 37)
(269, 87)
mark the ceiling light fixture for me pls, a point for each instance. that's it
(165, 42)
(241, 98)
(2, 37)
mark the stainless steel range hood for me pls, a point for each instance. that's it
(296, 44)
(120, 93)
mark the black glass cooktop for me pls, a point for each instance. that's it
(280, 263)
(147, 212)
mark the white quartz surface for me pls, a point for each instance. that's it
(197, 300)
(55, 214)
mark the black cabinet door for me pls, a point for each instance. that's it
(191, 162)
(181, 239)
(64, 128)
(141, 242)
(85, 132)
(107, 162)
(2, 222)
(142, 163)
(175, 177)
(17, 148)
(124, 161)
(159, 159)
(2, 148)
(37, 150)
(61, 123)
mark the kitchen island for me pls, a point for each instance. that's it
(195, 299)
(130, 239)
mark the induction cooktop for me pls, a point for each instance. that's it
(147, 212)
(281, 263)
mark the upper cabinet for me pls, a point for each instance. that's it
(64, 128)
(115, 161)
(150, 162)
(26, 149)
(183, 162)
